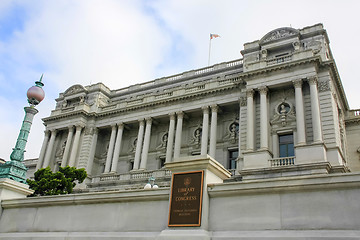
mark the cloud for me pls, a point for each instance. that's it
(121, 43)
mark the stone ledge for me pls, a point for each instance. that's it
(294, 184)
(89, 198)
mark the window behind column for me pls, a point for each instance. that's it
(286, 145)
(233, 155)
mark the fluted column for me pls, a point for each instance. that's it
(75, 146)
(205, 131)
(300, 116)
(146, 145)
(110, 149)
(139, 144)
(67, 147)
(43, 150)
(117, 149)
(171, 134)
(315, 110)
(264, 132)
(213, 130)
(92, 150)
(49, 148)
(177, 148)
(250, 120)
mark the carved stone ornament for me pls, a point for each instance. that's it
(284, 114)
(324, 86)
(61, 150)
(279, 34)
(242, 101)
(163, 141)
(233, 132)
(74, 89)
(196, 137)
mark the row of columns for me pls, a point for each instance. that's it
(69, 157)
(300, 116)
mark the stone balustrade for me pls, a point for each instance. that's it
(277, 60)
(285, 161)
(143, 175)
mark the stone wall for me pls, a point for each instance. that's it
(306, 207)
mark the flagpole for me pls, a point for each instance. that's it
(209, 51)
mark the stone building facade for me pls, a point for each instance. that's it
(278, 119)
(279, 111)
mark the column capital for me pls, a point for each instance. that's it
(313, 80)
(205, 109)
(242, 101)
(71, 127)
(120, 124)
(214, 108)
(297, 83)
(141, 122)
(263, 90)
(172, 116)
(250, 92)
(47, 132)
(53, 131)
(148, 120)
(180, 114)
(79, 126)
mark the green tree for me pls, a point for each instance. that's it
(47, 182)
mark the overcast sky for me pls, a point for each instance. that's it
(121, 43)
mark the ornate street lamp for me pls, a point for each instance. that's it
(15, 169)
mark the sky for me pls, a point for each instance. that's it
(121, 43)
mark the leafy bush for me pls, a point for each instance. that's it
(62, 182)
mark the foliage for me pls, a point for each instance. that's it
(62, 182)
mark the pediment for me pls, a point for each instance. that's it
(75, 89)
(277, 34)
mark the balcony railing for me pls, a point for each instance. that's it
(132, 176)
(278, 60)
(285, 161)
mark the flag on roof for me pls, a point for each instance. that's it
(213, 35)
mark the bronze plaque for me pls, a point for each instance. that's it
(186, 199)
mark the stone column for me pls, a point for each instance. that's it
(177, 148)
(250, 120)
(92, 150)
(43, 150)
(264, 132)
(110, 149)
(49, 149)
(205, 131)
(75, 146)
(275, 140)
(115, 158)
(146, 145)
(300, 116)
(315, 110)
(242, 104)
(67, 147)
(139, 144)
(170, 142)
(214, 111)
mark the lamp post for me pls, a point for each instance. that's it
(15, 168)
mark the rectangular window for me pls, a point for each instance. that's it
(233, 155)
(162, 162)
(286, 145)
